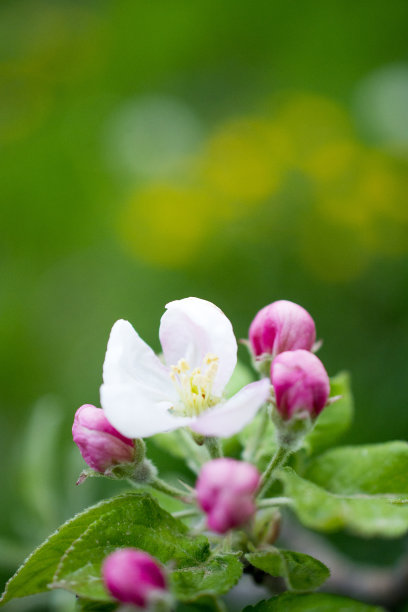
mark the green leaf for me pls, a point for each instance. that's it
(215, 577)
(86, 605)
(205, 603)
(71, 558)
(335, 419)
(361, 514)
(301, 572)
(375, 469)
(318, 602)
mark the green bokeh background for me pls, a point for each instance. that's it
(239, 152)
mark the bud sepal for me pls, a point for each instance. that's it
(290, 434)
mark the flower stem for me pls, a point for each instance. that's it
(214, 447)
(195, 457)
(279, 458)
(186, 513)
(227, 542)
(274, 501)
(161, 485)
(254, 443)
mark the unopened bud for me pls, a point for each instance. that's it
(301, 384)
(225, 491)
(133, 577)
(100, 444)
(278, 327)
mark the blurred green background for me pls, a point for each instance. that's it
(239, 152)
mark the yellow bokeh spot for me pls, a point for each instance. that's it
(246, 159)
(369, 199)
(166, 224)
(333, 163)
(312, 122)
(345, 202)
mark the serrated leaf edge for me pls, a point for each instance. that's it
(112, 500)
(64, 584)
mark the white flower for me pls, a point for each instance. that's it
(141, 396)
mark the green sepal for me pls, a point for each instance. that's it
(301, 572)
(290, 433)
(141, 472)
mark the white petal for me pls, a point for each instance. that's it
(135, 413)
(190, 329)
(128, 359)
(227, 419)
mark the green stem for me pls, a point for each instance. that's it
(276, 462)
(274, 501)
(161, 485)
(254, 443)
(227, 543)
(186, 513)
(195, 459)
(214, 447)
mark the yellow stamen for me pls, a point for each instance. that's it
(195, 387)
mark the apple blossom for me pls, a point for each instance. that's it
(100, 444)
(133, 576)
(281, 326)
(142, 396)
(225, 491)
(301, 383)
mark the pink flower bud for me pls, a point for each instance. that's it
(301, 383)
(132, 576)
(225, 490)
(100, 444)
(281, 326)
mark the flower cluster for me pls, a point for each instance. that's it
(143, 395)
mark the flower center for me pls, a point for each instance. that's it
(195, 386)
